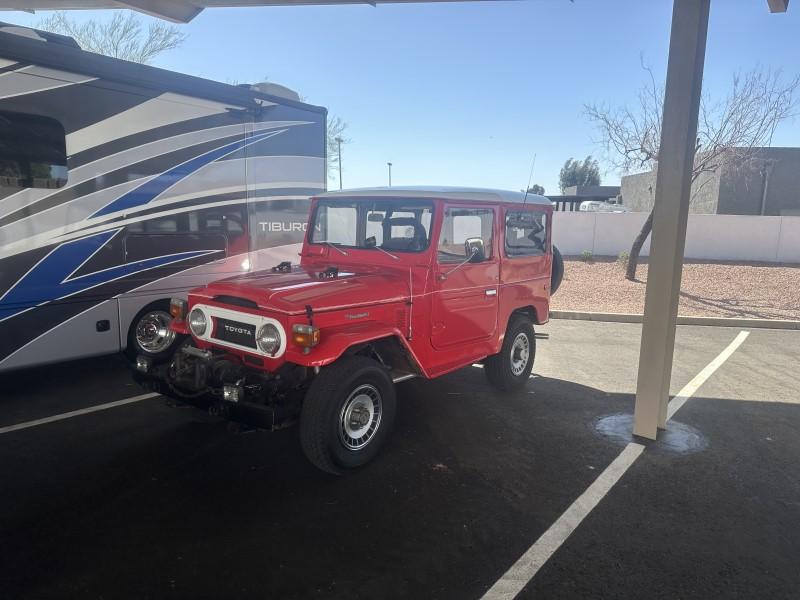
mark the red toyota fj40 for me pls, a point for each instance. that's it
(393, 283)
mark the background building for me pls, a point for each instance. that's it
(767, 184)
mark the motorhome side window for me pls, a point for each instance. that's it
(33, 152)
(526, 233)
(231, 222)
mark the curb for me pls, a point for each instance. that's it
(682, 320)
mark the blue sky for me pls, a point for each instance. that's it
(467, 93)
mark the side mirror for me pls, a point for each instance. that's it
(474, 250)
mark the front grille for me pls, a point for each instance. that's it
(241, 334)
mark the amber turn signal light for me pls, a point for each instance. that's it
(306, 336)
(178, 308)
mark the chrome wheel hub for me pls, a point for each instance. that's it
(520, 354)
(360, 417)
(152, 332)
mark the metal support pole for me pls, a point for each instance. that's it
(390, 173)
(687, 48)
(339, 145)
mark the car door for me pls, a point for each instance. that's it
(464, 301)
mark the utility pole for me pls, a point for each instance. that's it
(339, 141)
(390, 173)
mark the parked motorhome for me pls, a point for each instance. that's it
(123, 185)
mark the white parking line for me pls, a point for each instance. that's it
(76, 413)
(522, 572)
(690, 388)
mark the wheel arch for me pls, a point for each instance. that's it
(385, 341)
(391, 351)
(528, 311)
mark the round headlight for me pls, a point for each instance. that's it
(197, 322)
(268, 339)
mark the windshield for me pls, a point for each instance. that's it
(392, 225)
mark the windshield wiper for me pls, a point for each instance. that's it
(335, 247)
(386, 252)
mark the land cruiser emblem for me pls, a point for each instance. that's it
(360, 315)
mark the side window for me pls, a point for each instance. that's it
(460, 225)
(375, 225)
(526, 233)
(33, 152)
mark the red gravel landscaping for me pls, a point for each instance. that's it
(719, 289)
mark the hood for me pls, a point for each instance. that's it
(291, 292)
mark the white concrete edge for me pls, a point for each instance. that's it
(682, 320)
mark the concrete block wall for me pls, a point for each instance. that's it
(714, 237)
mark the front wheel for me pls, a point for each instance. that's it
(510, 368)
(347, 414)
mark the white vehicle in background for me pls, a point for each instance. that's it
(600, 206)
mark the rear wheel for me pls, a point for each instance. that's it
(347, 414)
(149, 333)
(510, 368)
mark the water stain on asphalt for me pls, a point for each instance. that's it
(678, 438)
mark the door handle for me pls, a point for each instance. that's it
(491, 292)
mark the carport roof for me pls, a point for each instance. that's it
(183, 11)
(179, 11)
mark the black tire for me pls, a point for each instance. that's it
(323, 435)
(557, 273)
(502, 372)
(134, 348)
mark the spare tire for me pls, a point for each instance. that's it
(557, 273)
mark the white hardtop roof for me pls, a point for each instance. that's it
(448, 193)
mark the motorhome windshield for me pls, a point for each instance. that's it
(393, 225)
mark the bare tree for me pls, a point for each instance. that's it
(121, 37)
(730, 132)
(336, 129)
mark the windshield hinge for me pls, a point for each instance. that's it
(329, 273)
(283, 267)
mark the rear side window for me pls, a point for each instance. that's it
(33, 151)
(526, 233)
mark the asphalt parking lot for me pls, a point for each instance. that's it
(146, 500)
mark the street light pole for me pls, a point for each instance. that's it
(390, 173)
(339, 141)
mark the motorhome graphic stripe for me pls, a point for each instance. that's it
(132, 161)
(153, 188)
(34, 79)
(113, 169)
(10, 66)
(33, 323)
(150, 166)
(279, 118)
(51, 278)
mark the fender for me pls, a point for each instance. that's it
(335, 341)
